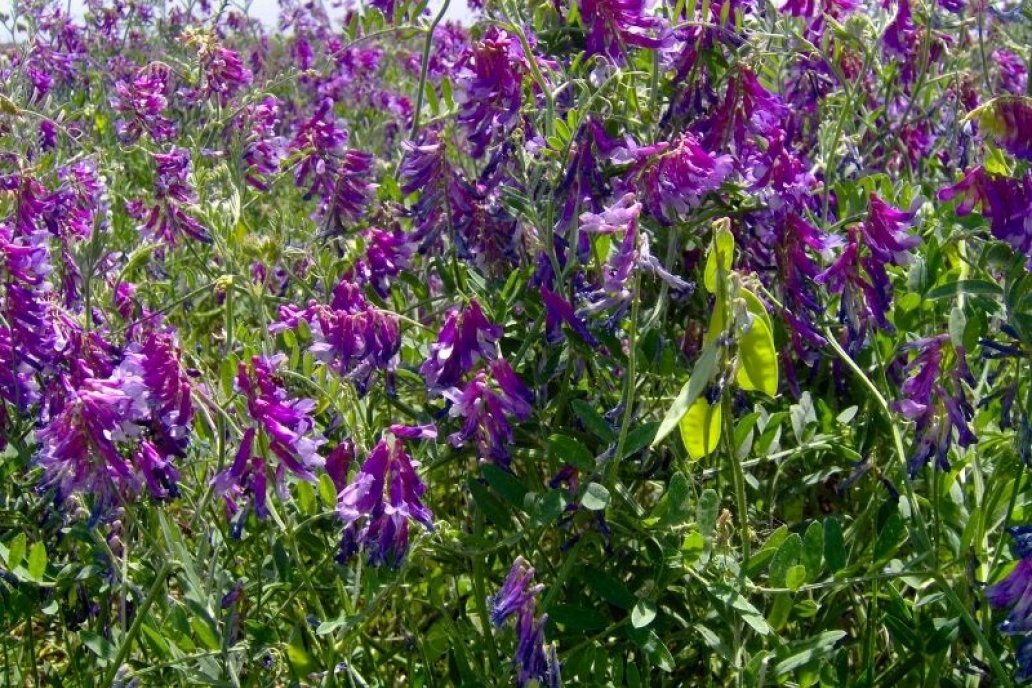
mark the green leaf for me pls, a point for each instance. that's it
(971, 286)
(98, 645)
(813, 549)
(490, 505)
(700, 428)
(16, 551)
(720, 257)
(674, 508)
(327, 491)
(786, 557)
(745, 609)
(596, 497)
(810, 650)
(643, 613)
(889, 537)
(795, 577)
(659, 653)
(706, 512)
(758, 369)
(592, 420)
(572, 451)
(609, 588)
(834, 545)
(702, 373)
(505, 484)
(37, 563)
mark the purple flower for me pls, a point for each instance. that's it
(517, 598)
(352, 188)
(78, 447)
(224, 71)
(516, 593)
(384, 496)
(632, 253)
(615, 25)
(166, 389)
(936, 401)
(489, 81)
(142, 102)
(285, 422)
(1013, 73)
(862, 279)
(1008, 119)
(801, 305)
(387, 254)
(158, 471)
(1015, 594)
(24, 268)
(466, 337)
(339, 461)
(247, 474)
(487, 411)
(349, 335)
(674, 176)
(899, 35)
(1005, 202)
(335, 174)
(167, 218)
(264, 149)
(558, 311)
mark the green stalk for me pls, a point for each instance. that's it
(425, 68)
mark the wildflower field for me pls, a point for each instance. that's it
(585, 343)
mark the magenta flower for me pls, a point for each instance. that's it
(936, 401)
(613, 26)
(78, 447)
(675, 176)
(517, 598)
(489, 78)
(1005, 202)
(862, 279)
(142, 103)
(350, 336)
(487, 410)
(384, 496)
(466, 337)
(168, 218)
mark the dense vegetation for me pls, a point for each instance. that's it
(601, 342)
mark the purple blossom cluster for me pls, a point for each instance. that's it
(533, 659)
(1014, 593)
(935, 398)
(385, 494)
(281, 426)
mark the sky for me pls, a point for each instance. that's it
(268, 10)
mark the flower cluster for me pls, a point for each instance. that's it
(517, 598)
(933, 396)
(385, 494)
(168, 218)
(281, 425)
(1014, 593)
(350, 336)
